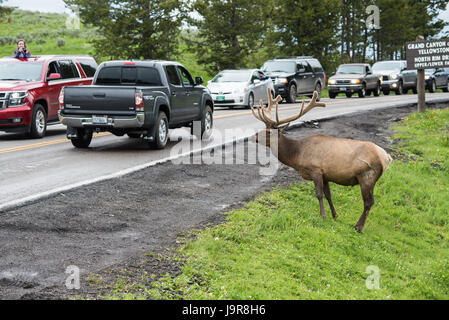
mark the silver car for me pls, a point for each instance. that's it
(240, 88)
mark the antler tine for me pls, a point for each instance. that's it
(266, 116)
(255, 115)
(313, 103)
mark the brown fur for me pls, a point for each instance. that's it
(323, 159)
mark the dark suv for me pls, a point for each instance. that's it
(294, 76)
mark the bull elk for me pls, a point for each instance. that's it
(323, 159)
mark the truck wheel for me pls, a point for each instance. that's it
(400, 89)
(348, 94)
(38, 122)
(84, 137)
(291, 98)
(415, 90)
(332, 95)
(377, 90)
(362, 92)
(433, 87)
(162, 130)
(207, 123)
(251, 101)
(446, 89)
(386, 92)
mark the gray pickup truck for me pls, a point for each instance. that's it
(142, 99)
(354, 78)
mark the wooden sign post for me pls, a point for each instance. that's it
(426, 54)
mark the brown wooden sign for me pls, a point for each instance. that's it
(428, 54)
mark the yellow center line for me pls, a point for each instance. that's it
(102, 134)
(45, 144)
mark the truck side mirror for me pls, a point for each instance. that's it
(199, 81)
(54, 76)
(301, 70)
(333, 73)
(369, 72)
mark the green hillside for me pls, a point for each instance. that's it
(47, 33)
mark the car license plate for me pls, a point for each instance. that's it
(100, 120)
(343, 89)
(220, 98)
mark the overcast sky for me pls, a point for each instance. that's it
(58, 6)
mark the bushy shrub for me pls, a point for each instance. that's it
(61, 42)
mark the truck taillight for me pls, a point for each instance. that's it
(139, 101)
(61, 100)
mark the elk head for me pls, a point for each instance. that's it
(277, 126)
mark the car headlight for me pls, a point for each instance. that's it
(281, 80)
(393, 76)
(355, 81)
(17, 98)
(331, 81)
(427, 77)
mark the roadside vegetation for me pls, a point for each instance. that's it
(278, 247)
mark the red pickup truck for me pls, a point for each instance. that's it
(29, 90)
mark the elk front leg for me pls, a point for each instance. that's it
(368, 201)
(327, 193)
(319, 193)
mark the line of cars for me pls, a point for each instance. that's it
(385, 76)
(296, 76)
(31, 92)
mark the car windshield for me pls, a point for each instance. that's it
(23, 70)
(429, 71)
(232, 76)
(385, 66)
(279, 66)
(347, 69)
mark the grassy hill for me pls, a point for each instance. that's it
(47, 33)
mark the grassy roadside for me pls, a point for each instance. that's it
(278, 247)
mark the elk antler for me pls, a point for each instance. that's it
(264, 114)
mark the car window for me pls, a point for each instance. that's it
(300, 66)
(255, 76)
(187, 79)
(307, 67)
(68, 70)
(129, 76)
(52, 68)
(172, 75)
(148, 77)
(89, 66)
(316, 66)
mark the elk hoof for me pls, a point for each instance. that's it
(358, 228)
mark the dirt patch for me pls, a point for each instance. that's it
(128, 228)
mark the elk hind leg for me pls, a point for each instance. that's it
(319, 193)
(368, 201)
(327, 193)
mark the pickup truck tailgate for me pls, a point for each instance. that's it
(100, 100)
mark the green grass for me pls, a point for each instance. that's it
(278, 247)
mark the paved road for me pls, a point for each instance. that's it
(34, 167)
